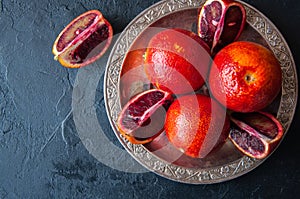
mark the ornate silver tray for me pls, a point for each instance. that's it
(227, 163)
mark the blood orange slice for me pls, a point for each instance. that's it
(83, 41)
(143, 117)
(221, 22)
(255, 134)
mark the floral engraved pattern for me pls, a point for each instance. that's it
(193, 175)
(280, 49)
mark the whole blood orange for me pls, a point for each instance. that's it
(142, 118)
(133, 78)
(245, 76)
(177, 61)
(196, 124)
(134, 58)
(83, 41)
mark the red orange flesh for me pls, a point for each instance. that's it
(255, 134)
(83, 40)
(221, 22)
(142, 118)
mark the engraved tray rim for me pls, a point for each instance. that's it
(157, 165)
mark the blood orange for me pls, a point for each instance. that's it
(196, 124)
(221, 22)
(177, 61)
(245, 76)
(133, 78)
(255, 134)
(143, 117)
(83, 41)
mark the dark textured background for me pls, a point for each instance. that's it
(39, 160)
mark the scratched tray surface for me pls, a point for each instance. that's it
(159, 155)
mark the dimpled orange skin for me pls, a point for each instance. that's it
(177, 61)
(245, 77)
(133, 76)
(192, 127)
(134, 58)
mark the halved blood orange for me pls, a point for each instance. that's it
(221, 22)
(83, 41)
(143, 117)
(255, 134)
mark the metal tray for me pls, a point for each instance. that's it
(159, 156)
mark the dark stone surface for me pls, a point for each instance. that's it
(41, 155)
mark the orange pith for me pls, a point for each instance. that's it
(77, 27)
